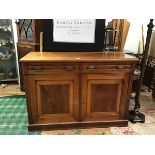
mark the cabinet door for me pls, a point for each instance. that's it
(104, 96)
(53, 98)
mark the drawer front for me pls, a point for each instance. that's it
(104, 68)
(52, 68)
(69, 67)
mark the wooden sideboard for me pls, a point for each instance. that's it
(77, 89)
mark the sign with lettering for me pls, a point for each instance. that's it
(74, 30)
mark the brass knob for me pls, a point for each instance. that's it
(121, 67)
(69, 68)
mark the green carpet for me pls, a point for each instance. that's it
(13, 116)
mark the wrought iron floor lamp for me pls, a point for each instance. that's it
(134, 114)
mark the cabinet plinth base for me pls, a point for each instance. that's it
(71, 125)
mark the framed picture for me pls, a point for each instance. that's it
(73, 35)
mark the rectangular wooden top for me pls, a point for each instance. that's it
(77, 57)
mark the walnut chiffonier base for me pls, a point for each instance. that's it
(77, 89)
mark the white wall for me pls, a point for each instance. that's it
(135, 34)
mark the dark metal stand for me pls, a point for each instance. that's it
(134, 114)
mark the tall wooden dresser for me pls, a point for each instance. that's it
(77, 89)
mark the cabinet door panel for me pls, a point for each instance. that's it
(103, 97)
(55, 99)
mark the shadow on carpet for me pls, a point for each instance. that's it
(13, 116)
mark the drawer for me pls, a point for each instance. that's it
(104, 68)
(52, 68)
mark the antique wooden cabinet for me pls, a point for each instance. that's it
(77, 89)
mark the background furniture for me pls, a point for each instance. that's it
(8, 70)
(149, 75)
(28, 31)
(77, 89)
(150, 67)
(116, 34)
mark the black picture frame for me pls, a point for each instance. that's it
(50, 45)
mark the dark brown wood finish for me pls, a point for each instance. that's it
(66, 90)
(22, 50)
(103, 95)
(71, 125)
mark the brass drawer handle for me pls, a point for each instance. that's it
(91, 67)
(69, 68)
(37, 69)
(121, 67)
